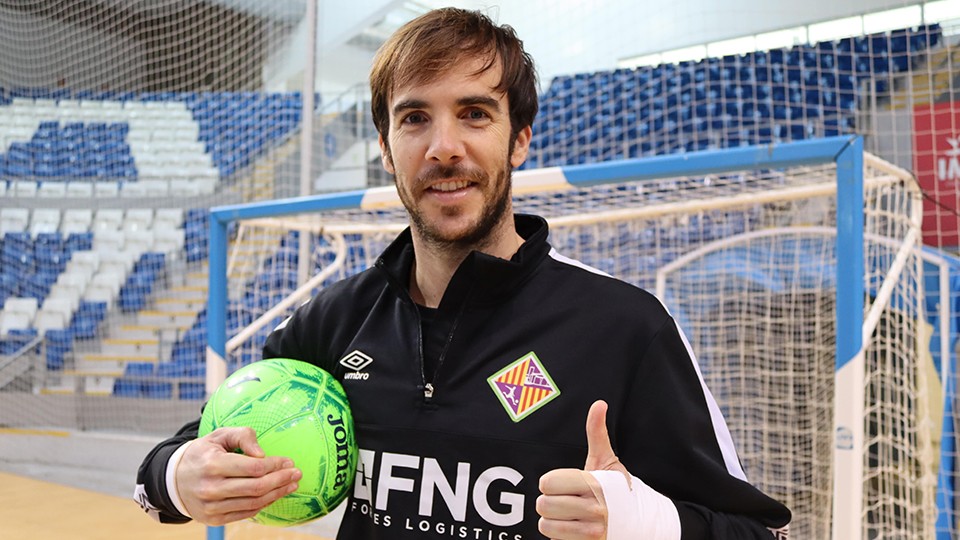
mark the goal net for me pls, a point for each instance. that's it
(746, 259)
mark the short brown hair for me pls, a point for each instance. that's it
(427, 46)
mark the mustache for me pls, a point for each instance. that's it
(446, 172)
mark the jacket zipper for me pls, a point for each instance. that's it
(428, 388)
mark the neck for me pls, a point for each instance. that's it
(434, 265)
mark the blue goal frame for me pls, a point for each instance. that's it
(846, 152)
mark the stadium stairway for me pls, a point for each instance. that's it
(136, 343)
(261, 182)
(930, 81)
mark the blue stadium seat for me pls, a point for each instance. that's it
(131, 388)
(157, 389)
(139, 369)
(192, 390)
(59, 343)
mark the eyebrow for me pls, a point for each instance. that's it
(465, 101)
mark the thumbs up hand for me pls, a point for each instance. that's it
(572, 506)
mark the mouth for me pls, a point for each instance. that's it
(449, 186)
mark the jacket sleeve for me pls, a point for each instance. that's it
(151, 491)
(672, 435)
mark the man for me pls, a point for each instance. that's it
(467, 311)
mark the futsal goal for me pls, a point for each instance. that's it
(794, 269)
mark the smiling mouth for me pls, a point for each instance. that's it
(452, 185)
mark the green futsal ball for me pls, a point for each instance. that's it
(298, 411)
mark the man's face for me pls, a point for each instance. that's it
(450, 149)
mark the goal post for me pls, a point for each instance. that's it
(802, 373)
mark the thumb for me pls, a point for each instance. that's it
(600, 455)
(242, 439)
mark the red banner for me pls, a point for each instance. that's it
(936, 162)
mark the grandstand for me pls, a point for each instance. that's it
(105, 194)
(67, 270)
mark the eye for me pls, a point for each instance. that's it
(414, 118)
(477, 114)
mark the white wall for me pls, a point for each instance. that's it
(43, 52)
(563, 35)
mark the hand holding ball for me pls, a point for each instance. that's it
(298, 411)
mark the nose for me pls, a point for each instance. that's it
(446, 143)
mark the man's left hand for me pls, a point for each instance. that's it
(572, 506)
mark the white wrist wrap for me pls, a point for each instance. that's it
(171, 478)
(635, 510)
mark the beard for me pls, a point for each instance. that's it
(476, 234)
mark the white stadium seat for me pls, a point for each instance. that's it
(133, 190)
(168, 240)
(23, 188)
(158, 188)
(27, 306)
(139, 241)
(76, 220)
(107, 241)
(137, 219)
(184, 188)
(168, 218)
(107, 219)
(44, 220)
(104, 287)
(84, 259)
(79, 190)
(12, 321)
(52, 189)
(106, 189)
(67, 292)
(76, 277)
(14, 220)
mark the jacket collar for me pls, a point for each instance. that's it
(481, 278)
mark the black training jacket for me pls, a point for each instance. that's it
(533, 341)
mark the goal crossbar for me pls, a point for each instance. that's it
(846, 156)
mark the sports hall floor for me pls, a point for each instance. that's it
(62, 500)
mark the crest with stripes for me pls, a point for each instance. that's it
(523, 387)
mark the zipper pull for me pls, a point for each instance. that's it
(428, 391)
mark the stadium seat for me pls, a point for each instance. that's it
(138, 240)
(13, 220)
(192, 390)
(79, 190)
(108, 241)
(107, 219)
(130, 388)
(69, 292)
(86, 262)
(157, 390)
(139, 369)
(76, 220)
(50, 320)
(168, 218)
(137, 219)
(58, 343)
(10, 321)
(103, 287)
(103, 190)
(118, 261)
(52, 189)
(26, 306)
(44, 220)
(23, 188)
(168, 240)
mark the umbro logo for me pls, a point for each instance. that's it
(356, 361)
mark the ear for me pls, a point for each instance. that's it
(385, 156)
(521, 147)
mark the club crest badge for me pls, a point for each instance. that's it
(523, 387)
